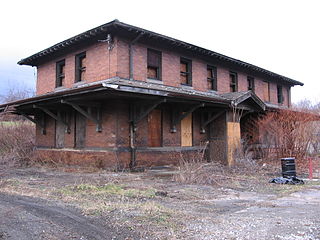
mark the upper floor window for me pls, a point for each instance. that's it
(185, 71)
(80, 67)
(212, 77)
(279, 94)
(266, 91)
(60, 73)
(250, 83)
(154, 64)
(233, 81)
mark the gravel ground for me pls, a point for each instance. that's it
(55, 204)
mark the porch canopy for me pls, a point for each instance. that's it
(139, 92)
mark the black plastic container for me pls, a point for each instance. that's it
(288, 167)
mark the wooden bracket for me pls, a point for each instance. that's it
(212, 116)
(143, 111)
(176, 117)
(57, 117)
(41, 124)
(88, 114)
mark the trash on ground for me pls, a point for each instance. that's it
(291, 180)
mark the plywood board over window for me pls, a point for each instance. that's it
(186, 131)
(266, 91)
(155, 128)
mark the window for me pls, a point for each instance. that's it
(233, 81)
(154, 64)
(60, 73)
(185, 72)
(212, 77)
(266, 91)
(279, 94)
(250, 83)
(80, 67)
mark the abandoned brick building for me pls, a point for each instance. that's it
(126, 95)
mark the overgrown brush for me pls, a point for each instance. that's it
(17, 143)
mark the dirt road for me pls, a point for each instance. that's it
(53, 204)
(25, 218)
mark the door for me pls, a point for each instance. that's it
(186, 131)
(60, 131)
(154, 128)
(80, 130)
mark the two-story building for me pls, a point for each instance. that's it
(126, 96)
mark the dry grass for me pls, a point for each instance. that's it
(17, 142)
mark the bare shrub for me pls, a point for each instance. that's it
(17, 142)
(194, 169)
(286, 133)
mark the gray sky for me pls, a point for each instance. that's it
(279, 35)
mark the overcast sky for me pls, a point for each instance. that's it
(282, 36)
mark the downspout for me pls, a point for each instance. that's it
(131, 54)
(132, 124)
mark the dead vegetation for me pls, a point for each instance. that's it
(17, 143)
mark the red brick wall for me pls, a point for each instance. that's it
(101, 64)
(48, 139)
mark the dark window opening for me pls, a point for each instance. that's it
(60, 73)
(154, 64)
(279, 94)
(212, 78)
(233, 82)
(80, 67)
(250, 83)
(185, 72)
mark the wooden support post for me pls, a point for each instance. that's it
(87, 114)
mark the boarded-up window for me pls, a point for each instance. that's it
(186, 131)
(155, 128)
(212, 78)
(80, 68)
(60, 73)
(60, 130)
(80, 131)
(279, 94)
(233, 81)
(154, 64)
(266, 91)
(250, 81)
(185, 71)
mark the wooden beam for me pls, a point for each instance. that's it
(41, 124)
(144, 112)
(176, 119)
(209, 120)
(54, 116)
(87, 114)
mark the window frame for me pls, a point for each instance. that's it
(280, 99)
(251, 84)
(158, 68)
(235, 84)
(78, 67)
(60, 76)
(188, 73)
(213, 79)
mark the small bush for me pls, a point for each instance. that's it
(17, 143)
